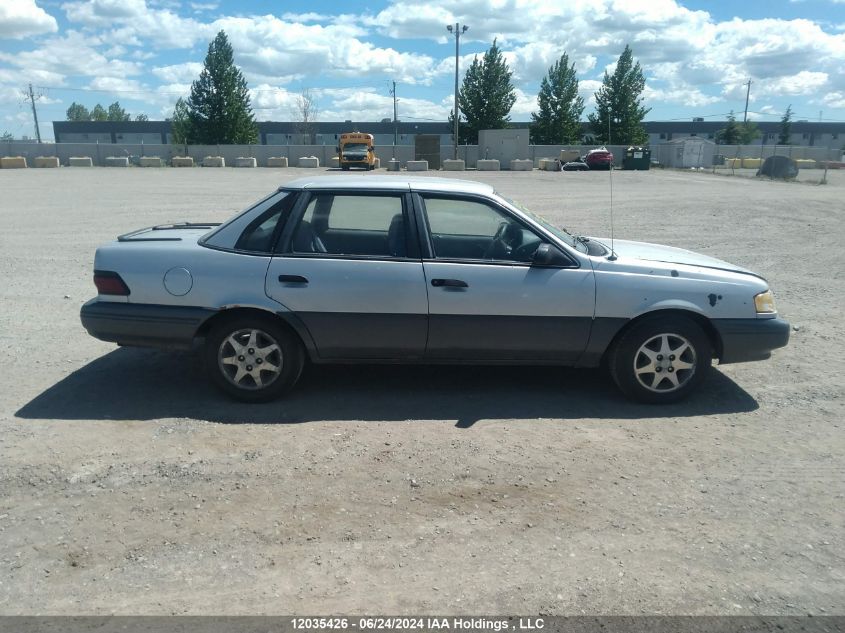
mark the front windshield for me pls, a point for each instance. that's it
(558, 232)
(355, 148)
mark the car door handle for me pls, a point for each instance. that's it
(449, 283)
(293, 279)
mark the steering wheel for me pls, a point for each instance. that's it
(525, 253)
(498, 248)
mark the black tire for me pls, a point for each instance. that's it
(644, 346)
(288, 356)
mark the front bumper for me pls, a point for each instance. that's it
(144, 325)
(746, 340)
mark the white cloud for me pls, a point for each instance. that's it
(73, 54)
(178, 73)
(23, 18)
(135, 23)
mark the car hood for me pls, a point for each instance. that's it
(628, 249)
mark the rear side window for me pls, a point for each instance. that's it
(254, 229)
(337, 224)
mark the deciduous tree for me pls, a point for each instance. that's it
(78, 112)
(558, 121)
(619, 104)
(486, 96)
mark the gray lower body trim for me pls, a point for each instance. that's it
(507, 338)
(144, 325)
(746, 340)
(601, 336)
(366, 335)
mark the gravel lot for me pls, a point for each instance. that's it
(128, 485)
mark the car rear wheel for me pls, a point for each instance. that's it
(661, 359)
(253, 359)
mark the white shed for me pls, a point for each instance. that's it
(687, 152)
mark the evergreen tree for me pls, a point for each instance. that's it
(142, 117)
(618, 102)
(786, 127)
(730, 134)
(737, 133)
(748, 132)
(78, 112)
(486, 96)
(219, 108)
(559, 120)
(116, 113)
(99, 113)
(7, 136)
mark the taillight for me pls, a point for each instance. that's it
(110, 283)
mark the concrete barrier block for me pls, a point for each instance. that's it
(117, 161)
(487, 164)
(80, 161)
(13, 162)
(311, 162)
(393, 165)
(149, 161)
(182, 161)
(751, 163)
(450, 164)
(277, 161)
(548, 164)
(47, 161)
(806, 163)
(417, 165)
(733, 163)
(213, 161)
(245, 161)
(334, 161)
(376, 163)
(568, 155)
(522, 165)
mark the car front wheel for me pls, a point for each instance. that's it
(253, 359)
(661, 359)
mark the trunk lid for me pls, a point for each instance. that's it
(188, 232)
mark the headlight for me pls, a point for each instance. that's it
(765, 303)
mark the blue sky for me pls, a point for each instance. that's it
(145, 53)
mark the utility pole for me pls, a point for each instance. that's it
(458, 30)
(395, 120)
(34, 113)
(747, 95)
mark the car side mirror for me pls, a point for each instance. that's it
(550, 255)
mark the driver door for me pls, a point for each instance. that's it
(486, 301)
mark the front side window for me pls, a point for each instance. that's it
(339, 224)
(470, 230)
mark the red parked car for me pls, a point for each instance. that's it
(599, 158)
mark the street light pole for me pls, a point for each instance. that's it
(458, 30)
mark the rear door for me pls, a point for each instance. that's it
(486, 299)
(349, 268)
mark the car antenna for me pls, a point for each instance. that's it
(612, 256)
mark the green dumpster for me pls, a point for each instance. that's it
(637, 158)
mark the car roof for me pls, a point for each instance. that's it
(398, 182)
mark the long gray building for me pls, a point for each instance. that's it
(804, 133)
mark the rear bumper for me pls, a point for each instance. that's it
(144, 325)
(746, 340)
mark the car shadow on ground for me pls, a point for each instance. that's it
(136, 384)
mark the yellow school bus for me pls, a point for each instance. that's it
(356, 150)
